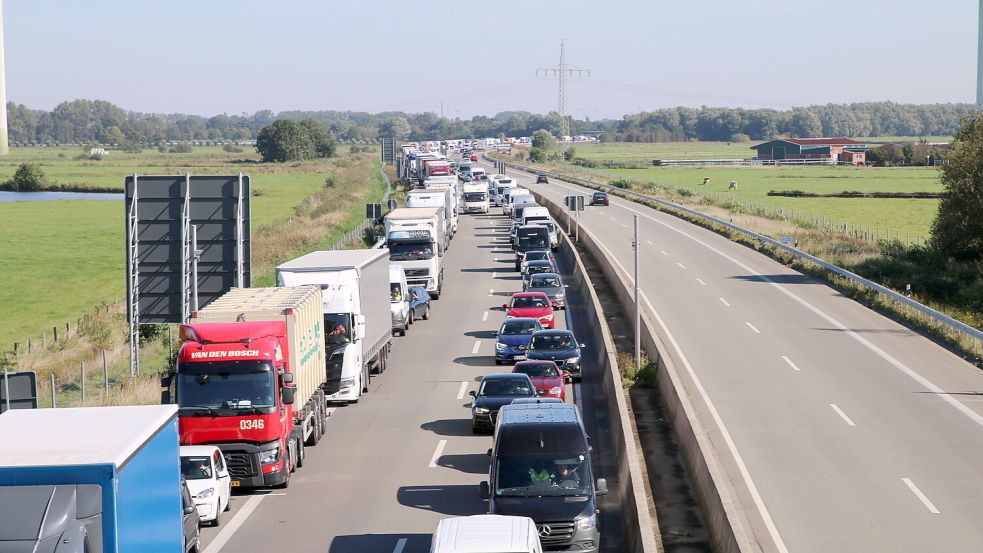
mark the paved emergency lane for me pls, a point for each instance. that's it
(842, 429)
(404, 457)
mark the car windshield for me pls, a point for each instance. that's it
(474, 196)
(196, 468)
(512, 387)
(515, 328)
(537, 256)
(544, 282)
(538, 370)
(552, 342)
(533, 269)
(535, 475)
(407, 252)
(239, 385)
(530, 301)
(337, 329)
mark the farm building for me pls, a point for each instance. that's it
(834, 150)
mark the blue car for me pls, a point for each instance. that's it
(419, 303)
(512, 339)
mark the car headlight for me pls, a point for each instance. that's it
(206, 493)
(587, 523)
(556, 390)
(574, 360)
(500, 346)
(269, 456)
(347, 382)
(561, 294)
(481, 410)
(547, 317)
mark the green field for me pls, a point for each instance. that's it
(63, 258)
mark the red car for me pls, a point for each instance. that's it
(474, 158)
(546, 377)
(536, 305)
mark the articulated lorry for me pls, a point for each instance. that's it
(248, 380)
(416, 240)
(442, 198)
(357, 335)
(95, 479)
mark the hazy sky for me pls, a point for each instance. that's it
(213, 56)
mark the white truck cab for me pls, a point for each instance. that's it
(484, 533)
(476, 197)
(399, 299)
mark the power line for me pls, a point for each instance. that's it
(561, 72)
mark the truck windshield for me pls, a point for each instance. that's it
(222, 385)
(474, 196)
(533, 240)
(410, 251)
(543, 474)
(337, 329)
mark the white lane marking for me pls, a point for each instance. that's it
(723, 301)
(464, 388)
(752, 327)
(484, 317)
(700, 280)
(231, 526)
(790, 363)
(437, 453)
(477, 344)
(842, 415)
(918, 493)
(494, 275)
(400, 545)
(893, 361)
(717, 419)
(491, 291)
(664, 252)
(650, 243)
(681, 266)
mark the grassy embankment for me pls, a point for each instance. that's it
(61, 270)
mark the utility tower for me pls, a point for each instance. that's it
(561, 72)
(4, 145)
(979, 63)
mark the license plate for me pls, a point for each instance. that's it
(520, 357)
(235, 483)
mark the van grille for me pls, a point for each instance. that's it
(558, 532)
(240, 464)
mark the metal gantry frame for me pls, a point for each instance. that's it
(186, 254)
(239, 241)
(133, 301)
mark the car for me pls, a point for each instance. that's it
(559, 346)
(190, 520)
(550, 284)
(535, 268)
(535, 400)
(494, 391)
(535, 255)
(512, 338)
(542, 178)
(419, 303)
(599, 198)
(207, 479)
(536, 305)
(474, 157)
(546, 377)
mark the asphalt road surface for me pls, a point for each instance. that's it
(404, 457)
(842, 430)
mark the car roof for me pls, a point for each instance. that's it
(504, 376)
(197, 450)
(553, 331)
(529, 294)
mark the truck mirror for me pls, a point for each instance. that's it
(472, 393)
(288, 394)
(489, 452)
(288, 378)
(483, 490)
(165, 397)
(602, 487)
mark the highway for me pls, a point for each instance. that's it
(404, 457)
(840, 429)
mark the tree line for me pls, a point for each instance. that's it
(99, 121)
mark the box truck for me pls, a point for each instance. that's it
(104, 479)
(414, 236)
(442, 198)
(248, 380)
(355, 292)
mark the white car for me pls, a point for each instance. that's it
(203, 468)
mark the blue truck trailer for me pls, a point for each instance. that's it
(93, 480)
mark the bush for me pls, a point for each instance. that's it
(231, 149)
(569, 154)
(740, 137)
(28, 178)
(182, 148)
(329, 181)
(621, 183)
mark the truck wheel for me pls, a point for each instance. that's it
(300, 451)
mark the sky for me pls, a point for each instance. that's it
(208, 57)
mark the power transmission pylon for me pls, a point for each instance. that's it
(561, 72)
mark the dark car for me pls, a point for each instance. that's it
(537, 267)
(419, 303)
(599, 198)
(192, 538)
(559, 346)
(537, 255)
(550, 284)
(542, 177)
(494, 391)
(512, 338)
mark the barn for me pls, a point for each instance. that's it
(832, 150)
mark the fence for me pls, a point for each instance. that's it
(965, 334)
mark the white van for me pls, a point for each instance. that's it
(399, 299)
(507, 198)
(484, 533)
(477, 174)
(536, 214)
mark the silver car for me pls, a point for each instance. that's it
(550, 284)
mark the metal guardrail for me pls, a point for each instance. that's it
(941, 318)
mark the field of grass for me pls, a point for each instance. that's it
(64, 258)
